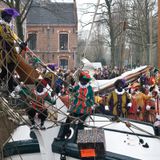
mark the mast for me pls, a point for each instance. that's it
(158, 54)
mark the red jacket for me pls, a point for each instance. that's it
(39, 99)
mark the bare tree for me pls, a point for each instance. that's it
(113, 17)
(140, 29)
(129, 23)
(97, 44)
(109, 4)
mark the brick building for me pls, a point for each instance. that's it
(52, 28)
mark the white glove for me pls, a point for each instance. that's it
(129, 105)
(148, 107)
(107, 108)
(93, 107)
(17, 88)
(139, 109)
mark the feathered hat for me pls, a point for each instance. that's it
(84, 76)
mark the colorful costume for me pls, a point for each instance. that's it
(50, 76)
(81, 106)
(37, 98)
(132, 112)
(141, 102)
(83, 99)
(151, 110)
(119, 100)
(7, 46)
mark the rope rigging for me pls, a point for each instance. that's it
(90, 31)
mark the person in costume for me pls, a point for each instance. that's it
(151, 110)
(7, 46)
(152, 103)
(144, 80)
(140, 100)
(49, 76)
(157, 77)
(119, 100)
(37, 98)
(132, 112)
(81, 107)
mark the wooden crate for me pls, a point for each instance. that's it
(91, 143)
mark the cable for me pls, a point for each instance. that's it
(94, 16)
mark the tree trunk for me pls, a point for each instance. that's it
(19, 29)
(147, 31)
(108, 3)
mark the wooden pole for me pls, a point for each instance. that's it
(158, 54)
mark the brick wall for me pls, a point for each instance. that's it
(48, 43)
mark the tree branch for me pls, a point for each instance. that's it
(27, 7)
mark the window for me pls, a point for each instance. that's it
(63, 41)
(64, 63)
(52, 56)
(32, 41)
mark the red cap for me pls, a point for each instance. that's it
(85, 75)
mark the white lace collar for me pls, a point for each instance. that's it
(3, 22)
(83, 86)
(120, 93)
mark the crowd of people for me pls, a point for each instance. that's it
(107, 72)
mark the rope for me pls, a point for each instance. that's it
(138, 128)
(90, 31)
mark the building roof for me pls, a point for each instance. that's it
(52, 13)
